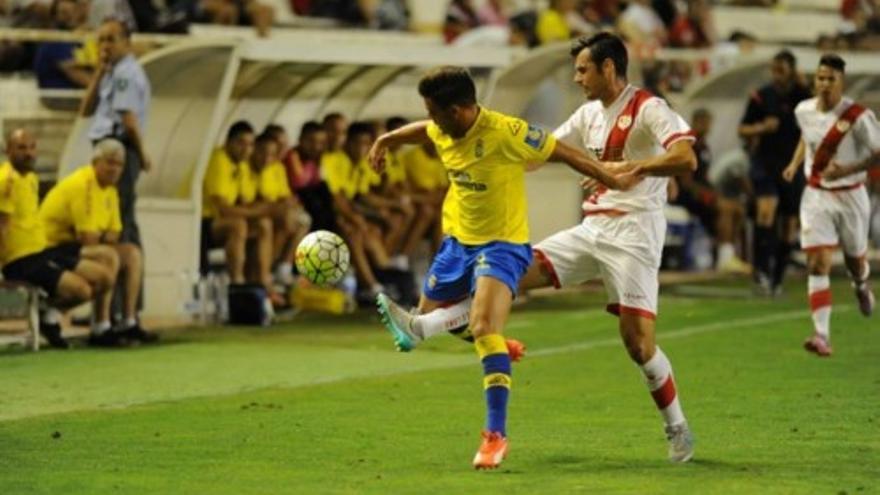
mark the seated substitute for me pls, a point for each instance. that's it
(68, 279)
(290, 222)
(81, 215)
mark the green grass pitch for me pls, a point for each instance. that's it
(324, 405)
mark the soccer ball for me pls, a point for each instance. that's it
(322, 257)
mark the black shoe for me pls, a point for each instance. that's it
(106, 339)
(52, 333)
(136, 333)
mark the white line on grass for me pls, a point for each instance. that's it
(688, 331)
(455, 363)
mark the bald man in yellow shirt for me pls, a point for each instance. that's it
(68, 279)
(82, 213)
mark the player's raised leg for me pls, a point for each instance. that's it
(491, 306)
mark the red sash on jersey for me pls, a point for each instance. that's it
(614, 144)
(831, 141)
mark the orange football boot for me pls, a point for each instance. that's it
(515, 349)
(492, 451)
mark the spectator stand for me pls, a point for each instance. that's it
(200, 87)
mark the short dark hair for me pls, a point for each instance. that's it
(238, 128)
(123, 25)
(787, 57)
(603, 46)
(265, 138)
(357, 128)
(274, 130)
(310, 127)
(736, 36)
(395, 122)
(332, 116)
(701, 113)
(447, 86)
(834, 61)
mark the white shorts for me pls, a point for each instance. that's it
(623, 251)
(835, 218)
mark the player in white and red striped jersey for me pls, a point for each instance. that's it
(840, 140)
(621, 237)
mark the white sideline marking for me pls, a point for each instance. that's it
(457, 362)
(688, 331)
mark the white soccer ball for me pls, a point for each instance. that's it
(322, 257)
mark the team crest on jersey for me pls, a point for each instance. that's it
(121, 84)
(624, 122)
(535, 137)
(432, 281)
(478, 149)
(482, 262)
(514, 126)
(842, 126)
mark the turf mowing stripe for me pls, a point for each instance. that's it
(432, 361)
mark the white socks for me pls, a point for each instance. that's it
(101, 327)
(658, 376)
(818, 287)
(725, 253)
(443, 320)
(51, 316)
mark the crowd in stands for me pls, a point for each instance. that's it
(646, 24)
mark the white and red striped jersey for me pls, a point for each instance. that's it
(643, 126)
(861, 138)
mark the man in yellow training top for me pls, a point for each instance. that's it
(290, 222)
(486, 249)
(81, 215)
(68, 279)
(229, 214)
(426, 179)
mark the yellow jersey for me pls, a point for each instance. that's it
(424, 171)
(395, 170)
(487, 194)
(221, 179)
(367, 178)
(19, 198)
(79, 204)
(340, 174)
(552, 27)
(273, 182)
(249, 184)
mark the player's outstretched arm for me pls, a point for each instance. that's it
(589, 167)
(796, 161)
(414, 133)
(678, 159)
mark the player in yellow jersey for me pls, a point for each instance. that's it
(486, 249)
(290, 223)
(68, 279)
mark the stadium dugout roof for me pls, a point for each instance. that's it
(201, 86)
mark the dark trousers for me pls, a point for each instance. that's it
(126, 187)
(128, 196)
